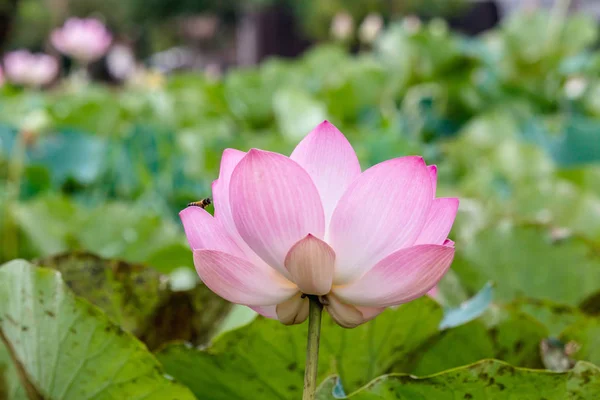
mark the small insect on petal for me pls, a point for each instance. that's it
(201, 203)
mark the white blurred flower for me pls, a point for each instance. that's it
(24, 68)
(370, 28)
(120, 62)
(575, 87)
(558, 234)
(342, 26)
(36, 121)
(183, 279)
(86, 40)
(213, 71)
(412, 24)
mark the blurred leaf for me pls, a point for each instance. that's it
(140, 300)
(128, 293)
(567, 323)
(554, 316)
(517, 339)
(10, 386)
(92, 109)
(48, 223)
(238, 317)
(576, 143)
(170, 257)
(455, 347)
(591, 305)
(514, 339)
(450, 291)
(580, 143)
(356, 87)
(297, 113)
(70, 154)
(487, 379)
(36, 179)
(53, 224)
(77, 338)
(249, 97)
(7, 139)
(125, 231)
(527, 262)
(193, 316)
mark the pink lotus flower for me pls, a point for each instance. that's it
(86, 40)
(314, 224)
(24, 68)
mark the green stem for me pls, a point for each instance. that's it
(312, 348)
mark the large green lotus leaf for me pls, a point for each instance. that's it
(68, 348)
(10, 386)
(54, 224)
(515, 339)
(565, 322)
(140, 300)
(128, 293)
(554, 316)
(266, 359)
(194, 316)
(486, 380)
(452, 348)
(527, 261)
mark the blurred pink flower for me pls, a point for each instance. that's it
(24, 68)
(313, 223)
(1, 77)
(86, 40)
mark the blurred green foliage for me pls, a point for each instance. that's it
(511, 119)
(512, 128)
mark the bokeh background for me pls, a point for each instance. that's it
(108, 132)
(502, 95)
